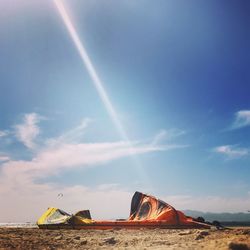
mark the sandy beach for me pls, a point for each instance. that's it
(34, 238)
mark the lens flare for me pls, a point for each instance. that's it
(91, 70)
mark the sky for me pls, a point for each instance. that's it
(99, 99)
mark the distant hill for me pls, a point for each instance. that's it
(239, 217)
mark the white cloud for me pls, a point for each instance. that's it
(68, 156)
(167, 135)
(3, 133)
(72, 136)
(4, 158)
(27, 131)
(159, 137)
(242, 119)
(232, 151)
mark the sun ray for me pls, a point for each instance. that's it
(91, 70)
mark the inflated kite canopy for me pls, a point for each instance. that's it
(146, 212)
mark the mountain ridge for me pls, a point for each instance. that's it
(226, 216)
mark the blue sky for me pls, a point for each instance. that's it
(177, 75)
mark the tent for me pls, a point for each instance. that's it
(146, 212)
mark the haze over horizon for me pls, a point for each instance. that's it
(159, 104)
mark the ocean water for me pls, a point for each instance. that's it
(21, 224)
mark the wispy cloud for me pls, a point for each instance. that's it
(3, 133)
(161, 135)
(69, 156)
(65, 151)
(73, 135)
(4, 158)
(232, 151)
(28, 130)
(242, 119)
(169, 134)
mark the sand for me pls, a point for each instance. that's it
(34, 238)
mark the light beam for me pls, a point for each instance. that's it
(91, 70)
